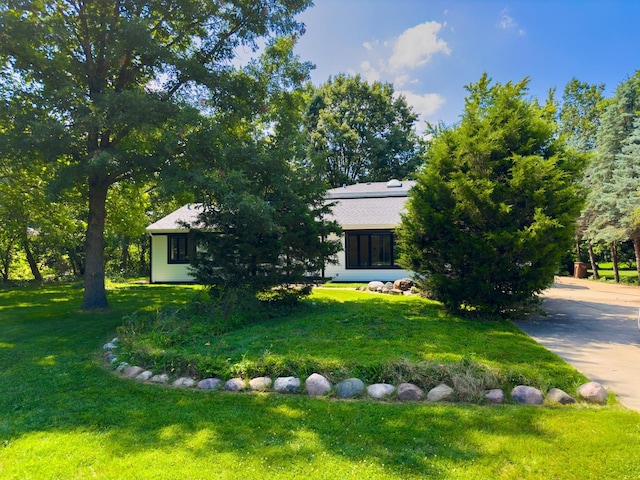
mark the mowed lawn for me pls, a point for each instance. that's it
(64, 415)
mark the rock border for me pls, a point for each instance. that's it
(317, 385)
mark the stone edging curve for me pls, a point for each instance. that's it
(317, 385)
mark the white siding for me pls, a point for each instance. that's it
(161, 270)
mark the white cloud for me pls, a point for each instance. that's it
(425, 105)
(369, 72)
(508, 23)
(415, 46)
(396, 59)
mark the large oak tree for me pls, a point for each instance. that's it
(106, 85)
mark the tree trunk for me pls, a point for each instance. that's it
(6, 262)
(614, 258)
(95, 295)
(33, 265)
(636, 250)
(124, 257)
(594, 265)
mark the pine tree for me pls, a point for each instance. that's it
(494, 208)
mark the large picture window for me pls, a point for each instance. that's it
(370, 249)
(179, 248)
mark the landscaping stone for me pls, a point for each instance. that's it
(209, 383)
(133, 371)
(408, 392)
(388, 285)
(495, 396)
(184, 382)
(111, 358)
(260, 384)
(235, 385)
(163, 378)
(560, 396)
(144, 376)
(527, 395)
(109, 346)
(395, 291)
(286, 385)
(350, 388)
(593, 392)
(317, 385)
(122, 366)
(380, 391)
(441, 393)
(403, 284)
(374, 286)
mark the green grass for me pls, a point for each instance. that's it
(63, 415)
(345, 333)
(626, 271)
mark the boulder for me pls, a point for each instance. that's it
(260, 384)
(209, 383)
(388, 285)
(122, 366)
(185, 382)
(593, 392)
(441, 393)
(350, 388)
(527, 395)
(133, 371)
(317, 384)
(286, 384)
(163, 378)
(560, 396)
(408, 392)
(395, 291)
(403, 284)
(111, 358)
(144, 376)
(374, 286)
(235, 385)
(109, 346)
(494, 396)
(380, 391)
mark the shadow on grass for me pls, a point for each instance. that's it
(54, 383)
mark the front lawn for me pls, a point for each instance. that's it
(64, 415)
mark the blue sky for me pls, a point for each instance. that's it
(429, 49)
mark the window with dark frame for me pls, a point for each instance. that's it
(370, 249)
(178, 248)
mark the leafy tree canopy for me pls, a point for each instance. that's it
(361, 132)
(494, 207)
(105, 86)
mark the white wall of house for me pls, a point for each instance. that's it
(161, 270)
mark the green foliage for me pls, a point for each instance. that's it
(579, 118)
(494, 207)
(342, 334)
(357, 132)
(262, 223)
(106, 91)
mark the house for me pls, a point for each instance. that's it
(367, 212)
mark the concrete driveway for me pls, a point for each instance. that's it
(593, 326)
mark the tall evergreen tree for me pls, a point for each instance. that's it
(494, 208)
(263, 221)
(607, 173)
(579, 119)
